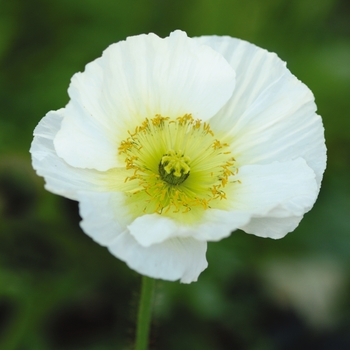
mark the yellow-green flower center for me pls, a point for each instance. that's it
(175, 167)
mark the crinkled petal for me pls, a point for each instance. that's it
(173, 259)
(272, 227)
(60, 177)
(84, 142)
(137, 79)
(105, 220)
(153, 228)
(213, 226)
(277, 191)
(281, 193)
(271, 114)
(104, 215)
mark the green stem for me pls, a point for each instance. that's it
(144, 315)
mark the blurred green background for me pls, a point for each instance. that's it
(59, 290)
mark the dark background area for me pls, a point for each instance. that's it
(60, 290)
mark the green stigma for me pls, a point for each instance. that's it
(173, 167)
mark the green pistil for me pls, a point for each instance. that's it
(174, 167)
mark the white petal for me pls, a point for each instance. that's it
(105, 220)
(213, 226)
(60, 177)
(277, 191)
(271, 114)
(218, 224)
(84, 142)
(104, 215)
(153, 228)
(272, 227)
(137, 79)
(282, 191)
(177, 258)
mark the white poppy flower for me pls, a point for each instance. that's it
(170, 143)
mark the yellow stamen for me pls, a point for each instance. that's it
(177, 168)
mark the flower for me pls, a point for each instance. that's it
(170, 143)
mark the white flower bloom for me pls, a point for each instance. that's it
(170, 143)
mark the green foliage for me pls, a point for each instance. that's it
(59, 290)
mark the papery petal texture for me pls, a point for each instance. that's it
(174, 259)
(137, 79)
(105, 220)
(168, 144)
(60, 177)
(271, 115)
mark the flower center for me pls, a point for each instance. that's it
(174, 167)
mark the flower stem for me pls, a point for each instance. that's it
(144, 314)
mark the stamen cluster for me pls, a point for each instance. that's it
(176, 164)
